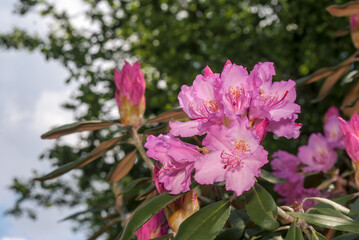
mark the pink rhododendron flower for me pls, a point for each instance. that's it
(130, 89)
(332, 128)
(236, 157)
(351, 136)
(200, 103)
(317, 155)
(294, 189)
(155, 227)
(284, 164)
(177, 159)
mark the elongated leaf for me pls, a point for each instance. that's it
(96, 153)
(347, 9)
(294, 232)
(206, 223)
(164, 237)
(354, 210)
(269, 177)
(340, 200)
(74, 215)
(331, 212)
(145, 212)
(78, 127)
(169, 116)
(347, 236)
(350, 103)
(261, 207)
(330, 82)
(316, 76)
(317, 236)
(134, 183)
(328, 221)
(330, 203)
(123, 167)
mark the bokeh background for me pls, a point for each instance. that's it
(56, 65)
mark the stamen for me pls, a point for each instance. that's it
(276, 103)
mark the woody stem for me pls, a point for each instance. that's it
(141, 150)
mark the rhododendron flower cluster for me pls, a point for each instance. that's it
(318, 156)
(235, 109)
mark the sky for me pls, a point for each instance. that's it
(31, 92)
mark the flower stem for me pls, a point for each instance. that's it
(141, 150)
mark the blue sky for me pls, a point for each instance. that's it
(31, 91)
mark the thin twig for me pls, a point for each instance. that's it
(141, 150)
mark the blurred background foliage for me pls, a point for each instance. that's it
(174, 41)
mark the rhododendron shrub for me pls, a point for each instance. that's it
(201, 168)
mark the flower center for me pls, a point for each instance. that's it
(237, 97)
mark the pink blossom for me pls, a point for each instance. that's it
(130, 89)
(332, 128)
(177, 159)
(235, 90)
(200, 102)
(275, 101)
(284, 164)
(130, 83)
(318, 156)
(236, 157)
(155, 227)
(351, 136)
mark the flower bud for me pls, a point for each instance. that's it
(130, 89)
(354, 29)
(155, 227)
(181, 209)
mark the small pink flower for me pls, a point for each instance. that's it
(155, 227)
(177, 159)
(351, 136)
(332, 128)
(294, 189)
(130, 89)
(318, 155)
(284, 164)
(236, 157)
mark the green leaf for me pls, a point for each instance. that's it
(328, 221)
(168, 116)
(331, 212)
(261, 207)
(354, 210)
(206, 223)
(330, 203)
(231, 233)
(145, 212)
(294, 232)
(347, 236)
(164, 237)
(317, 236)
(269, 177)
(96, 153)
(134, 183)
(79, 127)
(340, 200)
(74, 215)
